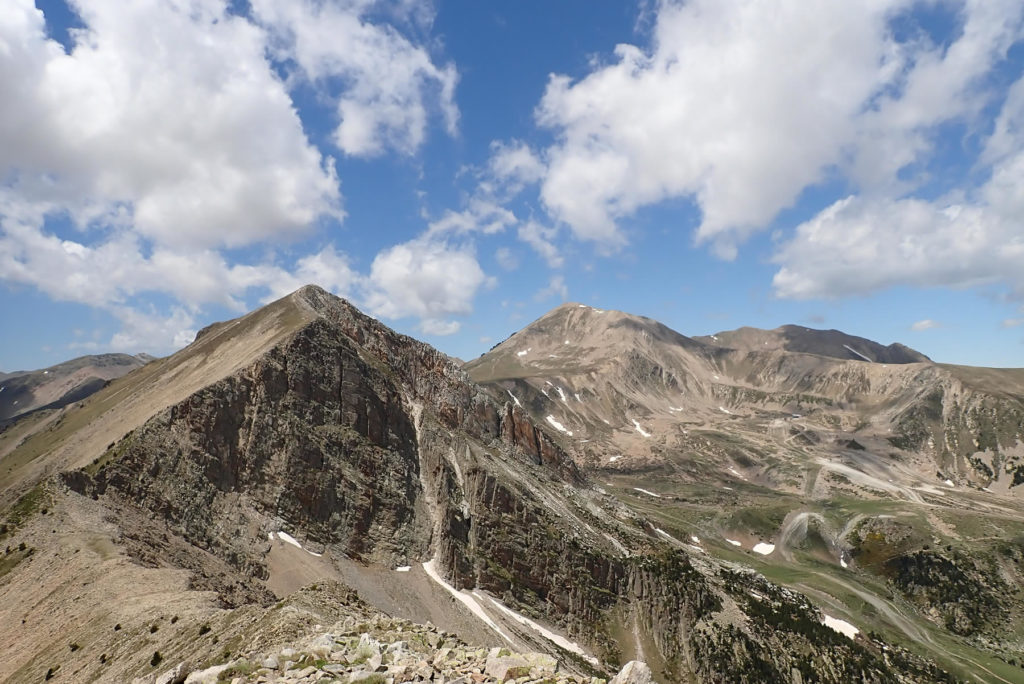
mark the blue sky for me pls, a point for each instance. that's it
(459, 168)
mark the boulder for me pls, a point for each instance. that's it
(505, 668)
(634, 672)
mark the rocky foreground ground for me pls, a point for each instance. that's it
(374, 648)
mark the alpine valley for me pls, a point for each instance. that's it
(304, 495)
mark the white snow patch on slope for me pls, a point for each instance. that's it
(725, 410)
(524, 352)
(763, 549)
(558, 426)
(403, 568)
(289, 539)
(841, 626)
(858, 353)
(695, 539)
(639, 429)
(561, 393)
(734, 542)
(514, 398)
(613, 459)
(673, 409)
(567, 341)
(736, 473)
(577, 395)
(556, 639)
(714, 337)
(949, 483)
(842, 562)
(644, 491)
(466, 598)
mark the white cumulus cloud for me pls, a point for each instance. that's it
(742, 105)
(390, 82)
(164, 115)
(428, 279)
(925, 324)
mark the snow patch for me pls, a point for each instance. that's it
(558, 426)
(577, 395)
(734, 542)
(403, 568)
(613, 459)
(725, 410)
(567, 341)
(556, 639)
(270, 536)
(673, 409)
(561, 394)
(949, 483)
(841, 626)
(842, 563)
(514, 398)
(858, 354)
(763, 549)
(466, 598)
(656, 496)
(714, 337)
(289, 539)
(736, 473)
(639, 429)
(695, 539)
(524, 352)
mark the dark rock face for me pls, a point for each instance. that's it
(366, 441)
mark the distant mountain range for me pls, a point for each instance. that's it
(60, 385)
(754, 506)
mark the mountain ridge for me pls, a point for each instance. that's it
(307, 442)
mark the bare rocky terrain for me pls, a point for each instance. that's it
(867, 477)
(598, 488)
